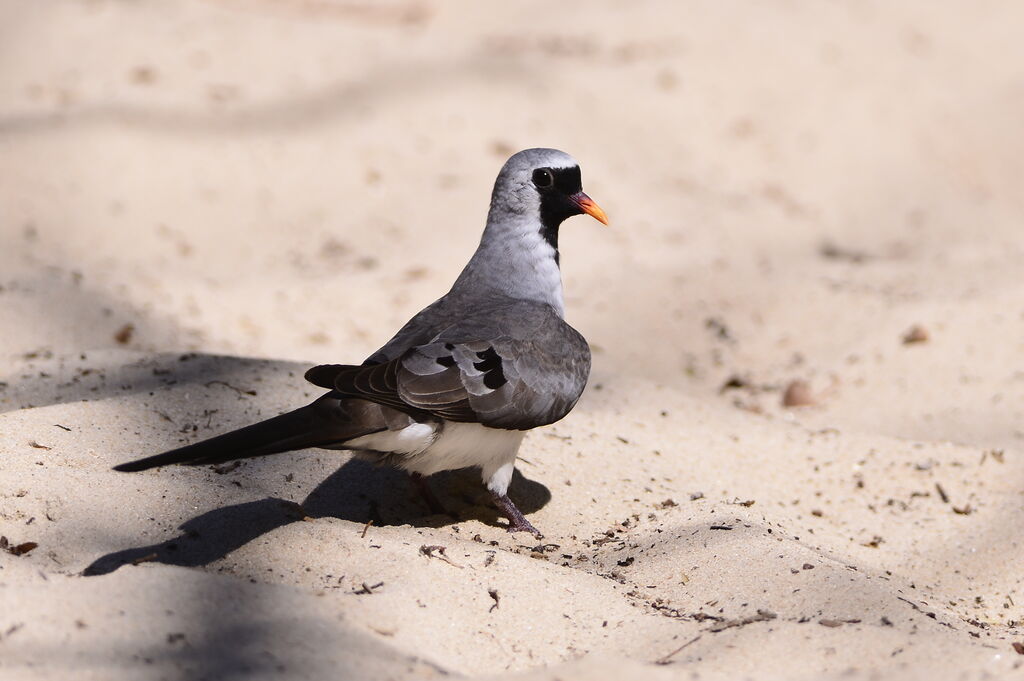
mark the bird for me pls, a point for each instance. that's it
(463, 380)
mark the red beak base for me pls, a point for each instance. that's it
(588, 206)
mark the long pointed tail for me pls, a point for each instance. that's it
(319, 424)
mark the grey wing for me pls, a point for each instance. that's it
(516, 368)
(423, 327)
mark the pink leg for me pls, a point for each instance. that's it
(428, 495)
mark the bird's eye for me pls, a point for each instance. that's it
(543, 178)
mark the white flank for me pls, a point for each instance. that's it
(411, 440)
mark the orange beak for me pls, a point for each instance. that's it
(587, 205)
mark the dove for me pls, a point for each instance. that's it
(461, 383)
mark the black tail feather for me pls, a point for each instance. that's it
(319, 424)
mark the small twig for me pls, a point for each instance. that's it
(228, 385)
(57, 425)
(145, 559)
(11, 629)
(542, 548)
(493, 593)
(365, 528)
(761, 616)
(435, 551)
(367, 589)
(667, 658)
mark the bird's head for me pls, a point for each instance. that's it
(542, 185)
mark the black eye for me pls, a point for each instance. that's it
(543, 178)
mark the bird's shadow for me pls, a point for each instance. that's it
(357, 492)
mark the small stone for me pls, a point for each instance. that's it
(915, 334)
(798, 394)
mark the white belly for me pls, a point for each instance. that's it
(424, 449)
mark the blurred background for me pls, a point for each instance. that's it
(793, 187)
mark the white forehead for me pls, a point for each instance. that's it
(528, 160)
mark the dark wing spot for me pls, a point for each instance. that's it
(490, 365)
(449, 347)
(447, 361)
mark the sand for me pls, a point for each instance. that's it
(199, 200)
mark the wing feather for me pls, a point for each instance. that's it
(516, 367)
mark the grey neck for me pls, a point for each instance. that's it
(515, 261)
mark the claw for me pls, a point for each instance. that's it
(517, 522)
(525, 527)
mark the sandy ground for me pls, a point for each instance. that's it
(198, 200)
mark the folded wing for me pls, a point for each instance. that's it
(517, 367)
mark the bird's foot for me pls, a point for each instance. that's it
(436, 507)
(517, 522)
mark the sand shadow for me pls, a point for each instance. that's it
(70, 379)
(357, 492)
(337, 100)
